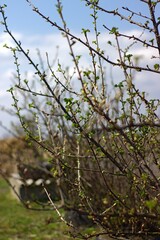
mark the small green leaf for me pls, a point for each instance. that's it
(68, 101)
(4, 6)
(25, 81)
(151, 203)
(5, 46)
(31, 105)
(85, 30)
(10, 90)
(128, 56)
(156, 66)
(114, 30)
(49, 103)
(152, 41)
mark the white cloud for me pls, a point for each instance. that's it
(5, 40)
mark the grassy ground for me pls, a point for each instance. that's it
(18, 223)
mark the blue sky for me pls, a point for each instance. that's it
(34, 33)
(21, 18)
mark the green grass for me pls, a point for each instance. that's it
(17, 223)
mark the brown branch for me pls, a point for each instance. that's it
(156, 30)
(54, 24)
(134, 38)
(122, 17)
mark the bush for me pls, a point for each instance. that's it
(101, 137)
